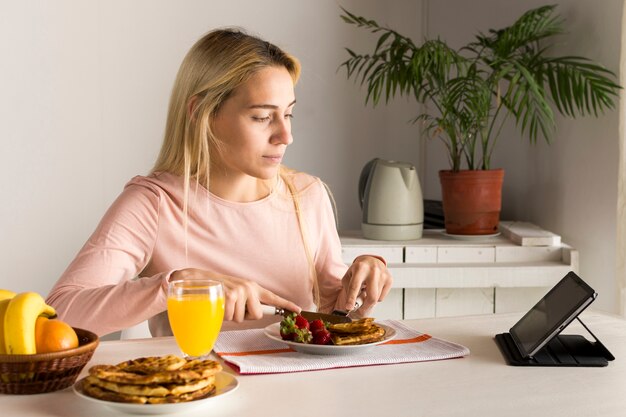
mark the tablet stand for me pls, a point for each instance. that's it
(561, 350)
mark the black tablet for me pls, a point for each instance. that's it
(551, 314)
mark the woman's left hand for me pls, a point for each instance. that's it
(369, 277)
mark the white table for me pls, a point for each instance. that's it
(478, 385)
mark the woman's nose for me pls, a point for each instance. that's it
(282, 134)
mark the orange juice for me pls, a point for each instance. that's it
(196, 320)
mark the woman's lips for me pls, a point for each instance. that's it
(274, 158)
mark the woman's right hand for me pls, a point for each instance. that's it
(242, 297)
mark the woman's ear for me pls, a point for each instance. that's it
(191, 106)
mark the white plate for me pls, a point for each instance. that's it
(273, 332)
(225, 384)
(470, 237)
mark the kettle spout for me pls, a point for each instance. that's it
(409, 177)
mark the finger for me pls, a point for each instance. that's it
(269, 298)
(230, 299)
(373, 289)
(239, 314)
(354, 287)
(345, 281)
(253, 308)
(240, 308)
(386, 287)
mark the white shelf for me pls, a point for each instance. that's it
(440, 275)
(444, 275)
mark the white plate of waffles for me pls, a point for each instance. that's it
(225, 384)
(273, 332)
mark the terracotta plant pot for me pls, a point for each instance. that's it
(472, 201)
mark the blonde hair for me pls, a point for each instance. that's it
(214, 67)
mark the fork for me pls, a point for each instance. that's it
(358, 303)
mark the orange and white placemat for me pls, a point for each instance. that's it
(252, 352)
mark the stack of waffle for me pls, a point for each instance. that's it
(153, 380)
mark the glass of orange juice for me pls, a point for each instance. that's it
(196, 310)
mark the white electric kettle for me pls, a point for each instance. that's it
(391, 199)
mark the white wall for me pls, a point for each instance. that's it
(569, 187)
(84, 86)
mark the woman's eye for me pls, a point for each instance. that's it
(265, 119)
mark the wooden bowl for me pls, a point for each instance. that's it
(46, 372)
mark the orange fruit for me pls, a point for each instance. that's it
(54, 335)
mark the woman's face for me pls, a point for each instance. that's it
(254, 126)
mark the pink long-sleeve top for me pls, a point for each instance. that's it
(119, 277)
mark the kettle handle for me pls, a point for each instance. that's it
(365, 174)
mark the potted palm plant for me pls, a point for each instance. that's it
(471, 92)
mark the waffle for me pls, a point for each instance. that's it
(152, 390)
(371, 334)
(152, 374)
(153, 364)
(356, 326)
(106, 395)
(153, 380)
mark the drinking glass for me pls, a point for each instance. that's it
(196, 310)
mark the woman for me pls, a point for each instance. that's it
(219, 204)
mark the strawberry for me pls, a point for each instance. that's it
(302, 336)
(286, 335)
(317, 325)
(288, 327)
(296, 328)
(301, 322)
(322, 337)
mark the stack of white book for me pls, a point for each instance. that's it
(528, 234)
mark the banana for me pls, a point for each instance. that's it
(19, 322)
(3, 308)
(4, 294)
(5, 297)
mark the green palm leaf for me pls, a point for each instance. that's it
(472, 91)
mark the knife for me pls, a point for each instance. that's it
(309, 315)
(337, 316)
